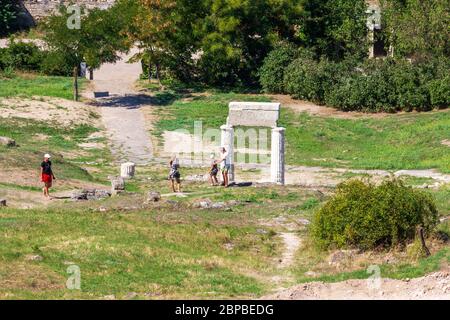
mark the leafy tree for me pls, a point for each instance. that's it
(418, 29)
(163, 30)
(152, 23)
(97, 40)
(236, 36)
(335, 28)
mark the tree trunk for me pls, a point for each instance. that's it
(158, 75)
(422, 240)
(75, 83)
(149, 70)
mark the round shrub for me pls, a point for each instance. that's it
(23, 56)
(301, 79)
(409, 93)
(271, 74)
(385, 85)
(57, 64)
(348, 93)
(310, 79)
(362, 215)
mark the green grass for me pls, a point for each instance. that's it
(29, 150)
(406, 141)
(393, 142)
(399, 271)
(211, 110)
(36, 85)
(122, 253)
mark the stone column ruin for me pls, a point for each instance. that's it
(227, 141)
(277, 165)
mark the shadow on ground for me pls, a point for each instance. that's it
(135, 101)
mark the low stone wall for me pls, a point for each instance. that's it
(42, 8)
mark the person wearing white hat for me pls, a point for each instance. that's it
(47, 175)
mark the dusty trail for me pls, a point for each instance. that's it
(114, 92)
(432, 286)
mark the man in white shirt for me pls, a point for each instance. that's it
(224, 165)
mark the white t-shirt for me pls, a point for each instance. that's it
(224, 161)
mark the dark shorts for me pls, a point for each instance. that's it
(214, 172)
(175, 176)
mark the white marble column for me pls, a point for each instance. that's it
(227, 141)
(277, 164)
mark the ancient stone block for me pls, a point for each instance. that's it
(253, 114)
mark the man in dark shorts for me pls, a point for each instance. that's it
(214, 170)
(47, 175)
(175, 175)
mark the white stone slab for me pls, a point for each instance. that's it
(254, 114)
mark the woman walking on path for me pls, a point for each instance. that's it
(224, 166)
(47, 175)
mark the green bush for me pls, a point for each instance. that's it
(303, 79)
(271, 74)
(385, 85)
(3, 58)
(375, 85)
(365, 216)
(57, 64)
(409, 92)
(29, 57)
(21, 56)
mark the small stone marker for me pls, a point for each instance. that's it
(127, 170)
(2, 203)
(8, 142)
(117, 185)
(153, 196)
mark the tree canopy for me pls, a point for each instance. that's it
(418, 29)
(8, 15)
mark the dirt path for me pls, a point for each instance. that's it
(433, 286)
(120, 103)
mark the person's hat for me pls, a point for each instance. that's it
(47, 156)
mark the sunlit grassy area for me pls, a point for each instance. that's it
(405, 141)
(31, 147)
(142, 252)
(28, 85)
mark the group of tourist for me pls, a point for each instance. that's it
(222, 164)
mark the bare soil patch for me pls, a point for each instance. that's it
(433, 286)
(59, 111)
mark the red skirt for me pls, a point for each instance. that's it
(47, 178)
